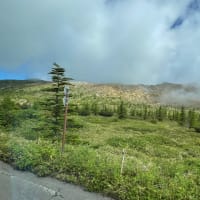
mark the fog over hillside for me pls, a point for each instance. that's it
(187, 95)
(165, 93)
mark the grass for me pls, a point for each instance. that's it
(162, 160)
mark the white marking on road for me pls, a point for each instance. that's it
(43, 188)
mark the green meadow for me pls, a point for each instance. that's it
(161, 156)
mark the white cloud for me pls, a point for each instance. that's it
(118, 41)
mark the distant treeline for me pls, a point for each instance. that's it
(33, 121)
(9, 84)
(188, 117)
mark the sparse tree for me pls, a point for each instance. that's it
(145, 113)
(95, 108)
(182, 118)
(160, 114)
(191, 119)
(122, 111)
(55, 102)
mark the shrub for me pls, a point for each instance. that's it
(7, 113)
(154, 121)
(85, 110)
(106, 112)
(74, 124)
(122, 111)
(197, 129)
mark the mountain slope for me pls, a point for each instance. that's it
(165, 93)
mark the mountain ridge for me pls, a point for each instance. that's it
(163, 93)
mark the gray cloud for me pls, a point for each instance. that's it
(103, 41)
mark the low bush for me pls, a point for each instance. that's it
(106, 112)
(85, 110)
(99, 171)
(74, 124)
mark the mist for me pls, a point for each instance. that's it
(185, 95)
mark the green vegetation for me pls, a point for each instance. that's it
(53, 103)
(7, 113)
(162, 147)
(122, 112)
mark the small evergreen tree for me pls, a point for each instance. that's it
(182, 118)
(176, 115)
(55, 103)
(160, 114)
(95, 108)
(122, 112)
(191, 119)
(145, 113)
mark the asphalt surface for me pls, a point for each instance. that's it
(17, 185)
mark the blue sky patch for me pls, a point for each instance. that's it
(12, 75)
(177, 23)
(192, 7)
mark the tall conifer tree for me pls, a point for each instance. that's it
(55, 102)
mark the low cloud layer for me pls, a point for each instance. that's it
(181, 97)
(103, 40)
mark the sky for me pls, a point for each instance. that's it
(109, 41)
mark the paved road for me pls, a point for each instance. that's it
(16, 185)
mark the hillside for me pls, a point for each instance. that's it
(166, 93)
(5, 84)
(161, 143)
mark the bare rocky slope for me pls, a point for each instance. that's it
(165, 93)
